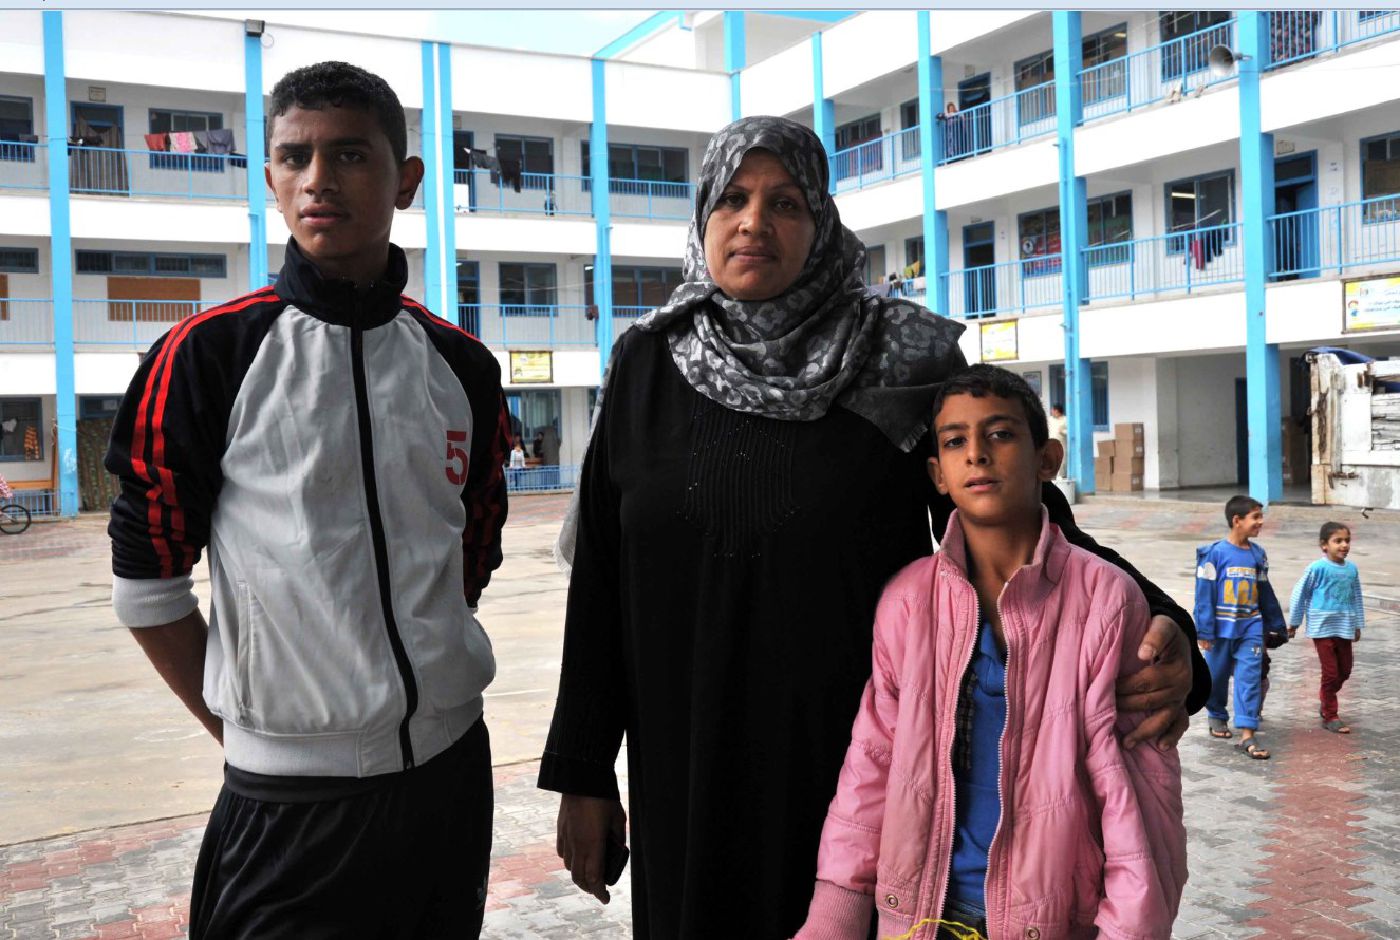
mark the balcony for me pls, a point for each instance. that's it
(651, 200)
(1295, 35)
(1334, 238)
(26, 324)
(1169, 70)
(553, 194)
(105, 172)
(130, 324)
(1001, 122)
(24, 165)
(875, 161)
(1183, 262)
(529, 326)
(1010, 287)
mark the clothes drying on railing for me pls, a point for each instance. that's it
(158, 143)
(510, 173)
(1205, 247)
(221, 141)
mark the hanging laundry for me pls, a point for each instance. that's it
(201, 141)
(510, 173)
(159, 143)
(221, 140)
(182, 142)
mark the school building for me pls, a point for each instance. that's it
(1152, 215)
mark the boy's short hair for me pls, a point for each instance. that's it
(1240, 506)
(342, 85)
(1330, 529)
(982, 380)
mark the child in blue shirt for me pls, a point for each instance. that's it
(1236, 614)
(1328, 595)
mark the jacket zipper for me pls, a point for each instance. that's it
(381, 547)
(953, 821)
(1001, 773)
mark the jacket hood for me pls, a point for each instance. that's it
(1048, 562)
(337, 300)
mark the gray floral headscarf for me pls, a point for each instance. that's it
(823, 341)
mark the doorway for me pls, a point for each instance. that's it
(974, 129)
(98, 165)
(979, 273)
(462, 165)
(1241, 433)
(1296, 235)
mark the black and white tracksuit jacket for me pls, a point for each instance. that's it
(339, 452)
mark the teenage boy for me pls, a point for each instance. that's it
(1237, 616)
(338, 450)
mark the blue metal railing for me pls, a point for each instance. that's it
(1295, 35)
(1005, 287)
(547, 194)
(650, 199)
(26, 321)
(875, 161)
(38, 502)
(1002, 122)
(24, 165)
(106, 172)
(542, 479)
(537, 326)
(135, 324)
(1184, 261)
(1171, 69)
(1333, 238)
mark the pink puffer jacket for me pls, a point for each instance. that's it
(1091, 840)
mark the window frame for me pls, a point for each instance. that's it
(662, 189)
(1105, 258)
(529, 179)
(151, 261)
(17, 151)
(1042, 265)
(1174, 65)
(37, 402)
(1027, 115)
(1102, 73)
(526, 307)
(1177, 245)
(196, 162)
(910, 244)
(20, 268)
(1379, 213)
(637, 274)
(1098, 390)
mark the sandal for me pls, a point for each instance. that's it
(1253, 749)
(1220, 728)
(1337, 725)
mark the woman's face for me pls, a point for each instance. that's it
(760, 232)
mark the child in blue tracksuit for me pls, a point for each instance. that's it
(1328, 595)
(1236, 613)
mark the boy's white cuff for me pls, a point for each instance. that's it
(153, 602)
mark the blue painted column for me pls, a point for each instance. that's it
(735, 58)
(1257, 203)
(930, 155)
(448, 204)
(823, 109)
(1074, 225)
(602, 214)
(432, 182)
(255, 137)
(61, 262)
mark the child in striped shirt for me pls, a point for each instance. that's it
(1329, 596)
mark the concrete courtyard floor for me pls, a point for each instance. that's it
(105, 781)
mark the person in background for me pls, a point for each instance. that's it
(1059, 430)
(756, 473)
(1328, 598)
(517, 463)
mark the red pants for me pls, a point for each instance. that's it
(1335, 657)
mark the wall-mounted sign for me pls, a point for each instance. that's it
(527, 367)
(999, 341)
(1371, 304)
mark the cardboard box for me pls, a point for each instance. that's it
(1127, 449)
(1127, 482)
(1103, 469)
(1128, 432)
(1105, 449)
(1131, 465)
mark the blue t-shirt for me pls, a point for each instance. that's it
(1329, 595)
(1232, 574)
(976, 786)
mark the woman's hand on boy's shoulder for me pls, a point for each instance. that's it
(1161, 687)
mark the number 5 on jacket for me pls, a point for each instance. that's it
(456, 458)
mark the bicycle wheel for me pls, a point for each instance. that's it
(14, 519)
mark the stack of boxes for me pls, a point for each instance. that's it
(1118, 463)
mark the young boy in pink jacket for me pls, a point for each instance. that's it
(984, 787)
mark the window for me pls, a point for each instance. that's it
(21, 421)
(636, 287)
(1108, 81)
(528, 290)
(17, 140)
(1040, 238)
(167, 121)
(1192, 53)
(632, 165)
(535, 156)
(914, 256)
(853, 134)
(1201, 202)
(1037, 105)
(137, 263)
(19, 260)
(1098, 387)
(909, 120)
(1110, 223)
(1380, 176)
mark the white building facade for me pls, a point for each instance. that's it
(1147, 239)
